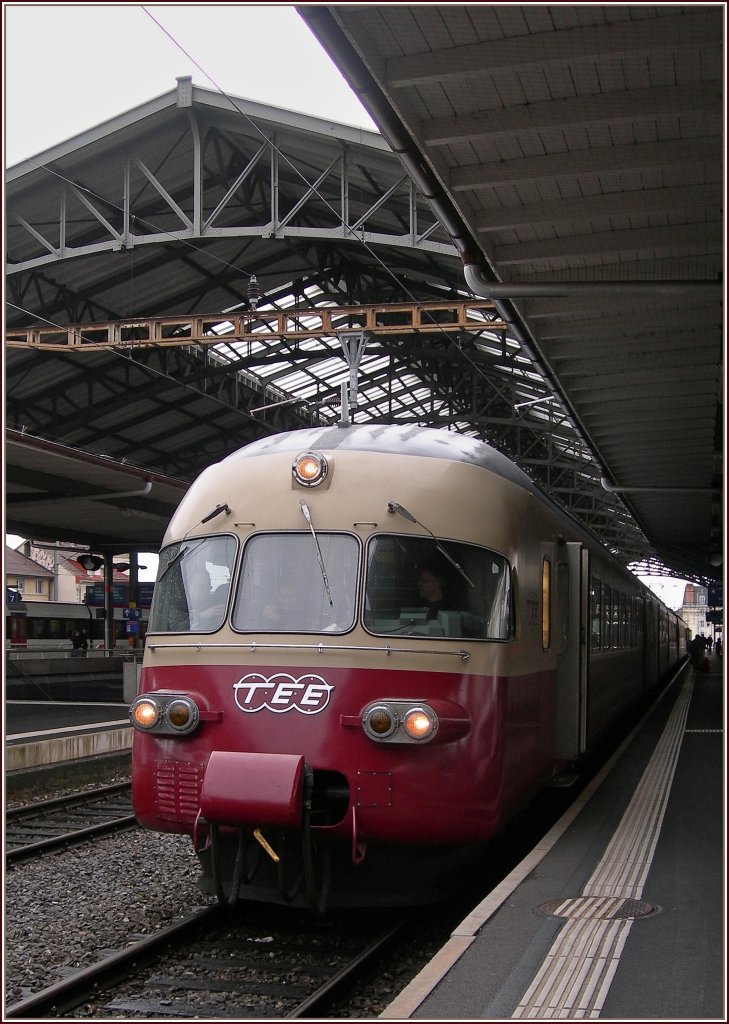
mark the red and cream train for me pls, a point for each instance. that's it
(324, 736)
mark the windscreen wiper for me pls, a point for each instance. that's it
(222, 507)
(175, 558)
(307, 516)
(395, 506)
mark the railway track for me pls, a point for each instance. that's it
(262, 961)
(48, 825)
(270, 962)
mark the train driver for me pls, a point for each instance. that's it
(431, 590)
(283, 612)
(206, 606)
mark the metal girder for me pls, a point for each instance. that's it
(275, 369)
(279, 192)
(292, 324)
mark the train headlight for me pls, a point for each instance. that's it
(419, 723)
(379, 721)
(182, 714)
(165, 714)
(399, 721)
(145, 713)
(310, 469)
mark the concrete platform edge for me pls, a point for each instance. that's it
(404, 1005)
(67, 748)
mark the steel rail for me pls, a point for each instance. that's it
(70, 838)
(320, 1001)
(25, 813)
(66, 995)
(30, 810)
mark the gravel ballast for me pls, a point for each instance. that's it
(69, 910)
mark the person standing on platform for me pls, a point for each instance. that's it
(696, 649)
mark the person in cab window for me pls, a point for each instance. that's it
(431, 590)
(206, 606)
(281, 613)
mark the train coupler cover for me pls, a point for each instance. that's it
(242, 788)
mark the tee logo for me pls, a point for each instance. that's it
(309, 694)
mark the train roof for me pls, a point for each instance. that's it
(430, 442)
(395, 440)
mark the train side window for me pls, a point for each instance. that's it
(615, 634)
(638, 620)
(606, 616)
(650, 623)
(624, 621)
(596, 614)
(546, 604)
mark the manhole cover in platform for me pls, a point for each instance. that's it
(590, 908)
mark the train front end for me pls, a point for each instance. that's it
(321, 735)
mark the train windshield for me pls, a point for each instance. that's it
(285, 588)
(193, 582)
(411, 589)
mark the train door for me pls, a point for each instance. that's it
(17, 625)
(571, 593)
(651, 643)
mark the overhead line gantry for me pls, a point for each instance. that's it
(257, 325)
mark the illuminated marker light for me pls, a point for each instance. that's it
(310, 469)
(145, 713)
(418, 724)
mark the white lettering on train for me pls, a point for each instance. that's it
(279, 693)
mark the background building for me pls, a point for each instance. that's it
(31, 579)
(694, 609)
(52, 573)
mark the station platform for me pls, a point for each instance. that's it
(619, 912)
(44, 734)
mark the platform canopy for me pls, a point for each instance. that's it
(576, 153)
(190, 206)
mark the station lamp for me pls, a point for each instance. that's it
(90, 562)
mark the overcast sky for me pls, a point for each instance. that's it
(69, 67)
